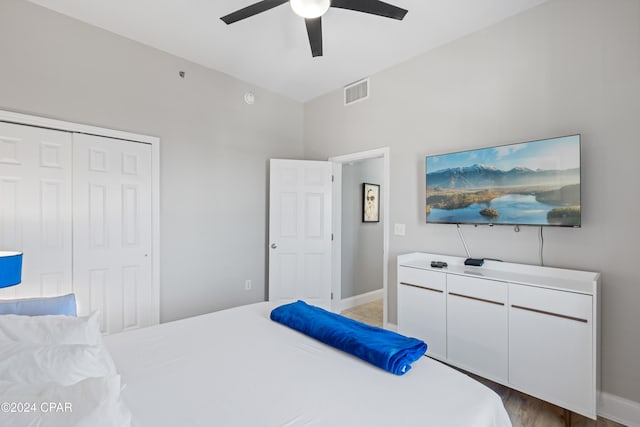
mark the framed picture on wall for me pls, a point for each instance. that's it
(370, 202)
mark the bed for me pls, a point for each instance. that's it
(236, 367)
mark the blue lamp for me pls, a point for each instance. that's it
(10, 268)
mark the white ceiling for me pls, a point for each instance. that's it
(271, 49)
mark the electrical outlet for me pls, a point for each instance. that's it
(247, 285)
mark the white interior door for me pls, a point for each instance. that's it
(35, 207)
(300, 231)
(113, 231)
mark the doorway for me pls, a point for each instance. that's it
(360, 256)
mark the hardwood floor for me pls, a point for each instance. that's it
(524, 410)
(527, 411)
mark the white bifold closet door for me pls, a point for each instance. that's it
(112, 230)
(35, 207)
(80, 208)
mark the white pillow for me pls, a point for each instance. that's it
(56, 329)
(66, 364)
(94, 402)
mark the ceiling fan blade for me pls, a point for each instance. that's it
(374, 7)
(251, 10)
(314, 30)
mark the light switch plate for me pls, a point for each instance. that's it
(399, 229)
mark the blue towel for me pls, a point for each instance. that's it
(385, 349)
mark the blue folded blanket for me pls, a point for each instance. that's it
(385, 349)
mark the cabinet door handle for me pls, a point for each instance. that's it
(420, 287)
(563, 316)
(476, 299)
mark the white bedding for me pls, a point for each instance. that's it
(238, 368)
(55, 372)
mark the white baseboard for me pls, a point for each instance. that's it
(619, 409)
(391, 326)
(356, 300)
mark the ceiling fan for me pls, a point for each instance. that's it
(312, 11)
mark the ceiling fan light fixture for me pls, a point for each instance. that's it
(310, 8)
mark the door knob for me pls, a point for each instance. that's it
(273, 246)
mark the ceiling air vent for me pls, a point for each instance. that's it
(357, 91)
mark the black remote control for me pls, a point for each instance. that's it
(476, 262)
(438, 264)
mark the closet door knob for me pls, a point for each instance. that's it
(273, 246)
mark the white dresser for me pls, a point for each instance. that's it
(535, 329)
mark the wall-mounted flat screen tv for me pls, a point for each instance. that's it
(529, 183)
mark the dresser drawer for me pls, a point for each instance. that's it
(551, 302)
(409, 276)
(484, 290)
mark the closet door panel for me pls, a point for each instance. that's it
(35, 207)
(113, 230)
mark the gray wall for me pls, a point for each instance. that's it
(214, 147)
(564, 67)
(361, 242)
